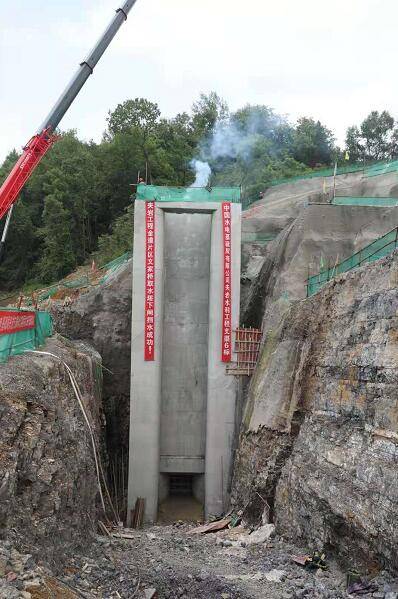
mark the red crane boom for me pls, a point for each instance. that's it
(39, 145)
(33, 152)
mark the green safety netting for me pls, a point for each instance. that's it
(325, 172)
(114, 266)
(377, 202)
(83, 281)
(150, 193)
(17, 343)
(377, 249)
(248, 237)
(382, 169)
(370, 170)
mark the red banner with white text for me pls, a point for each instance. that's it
(13, 322)
(149, 353)
(227, 291)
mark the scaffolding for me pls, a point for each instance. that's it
(247, 349)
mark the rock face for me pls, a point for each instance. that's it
(319, 444)
(48, 483)
(321, 234)
(102, 317)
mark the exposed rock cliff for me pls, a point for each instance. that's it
(319, 442)
(48, 484)
(102, 317)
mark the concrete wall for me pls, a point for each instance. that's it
(185, 326)
(151, 412)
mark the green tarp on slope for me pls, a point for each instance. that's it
(18, 343)
(376, 202)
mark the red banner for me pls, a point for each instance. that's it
(227, 292)
(149, 353)
(12, 322)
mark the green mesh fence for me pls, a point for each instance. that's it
(377, 249)
(112, 267)
(376, 202)
(17, 343)
(325, 172)
(188, 194)
(382, 169)
(262, 238)
(83, 281)
(370, 170)
(117, 261)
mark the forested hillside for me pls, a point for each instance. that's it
(79, 201)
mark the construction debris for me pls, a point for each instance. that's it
(314, 561)
(212, 527)
(138, 513)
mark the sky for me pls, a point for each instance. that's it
(334, 61)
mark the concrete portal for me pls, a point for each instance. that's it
(182, 420)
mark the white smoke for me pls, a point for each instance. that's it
(236, 139)
(202, 173)
(228, 141)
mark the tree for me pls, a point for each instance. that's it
(138, 113)
(375, 139)
(138, 118)
(376, 133)
(58, 257)
(313, 143)
(177, 139)
(119, 240)
(206, 112)
(353, 144)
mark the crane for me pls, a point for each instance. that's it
(41, 142)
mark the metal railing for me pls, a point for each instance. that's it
(377, 249)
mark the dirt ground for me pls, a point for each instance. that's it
(176, 563)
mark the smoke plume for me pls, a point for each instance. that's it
(202, 172)
(253, 131)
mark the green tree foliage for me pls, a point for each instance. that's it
(58, 257)
(138, 114)
(206, 112)
(376, 131)
(78, 202)
(313, 143)
(119, 240)
(375, 139)
(353, 144)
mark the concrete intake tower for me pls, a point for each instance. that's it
(186, 293)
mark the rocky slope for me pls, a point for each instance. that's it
(102, 317)
(308, 231)
(48, 483)
(319, 446)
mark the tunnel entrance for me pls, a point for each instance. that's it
(181, 499)
(181, 485)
